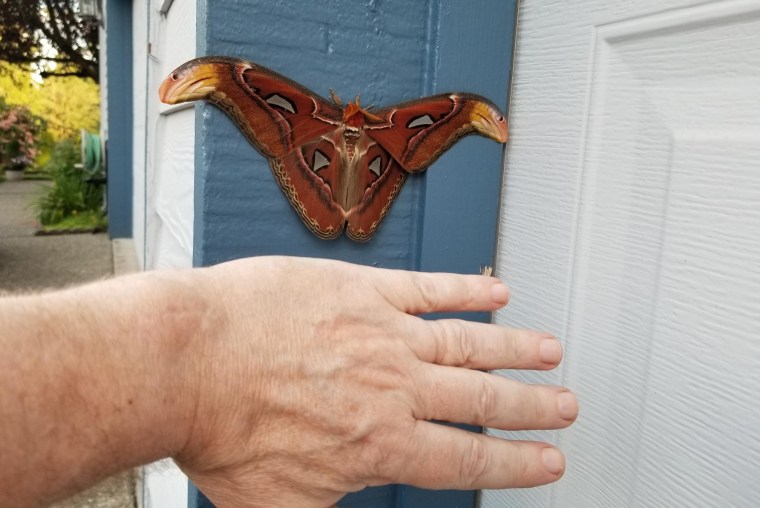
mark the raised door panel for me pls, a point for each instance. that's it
(164, 181)
(169, 160)
(631, 229)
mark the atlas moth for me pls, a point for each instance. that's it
(340, 166)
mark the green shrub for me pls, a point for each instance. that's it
(69, 195)
(45, 147)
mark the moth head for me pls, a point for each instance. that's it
(354, 115)
(488, 121)
(192, 81)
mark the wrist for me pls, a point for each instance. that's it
(174, 319)
(144, 332)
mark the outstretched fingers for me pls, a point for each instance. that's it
(442, 457)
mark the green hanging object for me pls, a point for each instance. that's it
(92, 157)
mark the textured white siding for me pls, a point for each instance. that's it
(164, 138)
(103, 76)
(631, 227)
(164, 145)
(139, 86)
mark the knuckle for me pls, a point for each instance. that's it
(428, 291)
(466, 347)
(475, 463)
(439, 334)
(526, 347)
(468, 295)
(453, 343)
(487, 401)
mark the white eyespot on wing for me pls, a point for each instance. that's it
(281, 102)
(320, 161)
(376, 165)
(420, 121)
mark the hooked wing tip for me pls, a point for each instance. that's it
(192, 81)
(489, 122)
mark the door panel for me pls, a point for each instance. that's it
(171, 142)
(163, 155)
(630, 227)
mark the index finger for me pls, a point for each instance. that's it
(419, 292)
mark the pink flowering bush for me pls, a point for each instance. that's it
(19, 133)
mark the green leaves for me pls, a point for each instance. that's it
(70, 195)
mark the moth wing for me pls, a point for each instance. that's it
(383, 178)
(308, 193)
(275, 113)
(416, 133)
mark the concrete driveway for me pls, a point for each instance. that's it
(29, 262)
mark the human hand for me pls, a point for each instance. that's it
(314, 378)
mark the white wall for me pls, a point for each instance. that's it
(163, 151)
(139, 87)
(103, 76)
(631, 228)
(164, 142)
(162, 485)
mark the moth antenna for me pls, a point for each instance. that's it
(369, 115)
(357, 100)
(335, 97)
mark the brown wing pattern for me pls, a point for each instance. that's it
(416, 133)
(340, 168)
(275, 113)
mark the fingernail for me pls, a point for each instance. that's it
(554, 461)
(500, 293)
(550, 351)
(567, 405)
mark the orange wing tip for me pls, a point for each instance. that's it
(190, 83)
(489, 122)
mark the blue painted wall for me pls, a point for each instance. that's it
(380, 49)
(389, 51)
(119, 147)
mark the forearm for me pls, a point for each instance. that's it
(93, 380)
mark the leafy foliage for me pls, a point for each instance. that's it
(70, 195)
(50, 35)
(19, 135)
(67, 104)
(85, 221)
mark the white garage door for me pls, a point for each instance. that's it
(164, 38)
(631, 228)
(163, 154)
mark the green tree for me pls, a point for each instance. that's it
(67, 103)
(17, 85)
(49, 35)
